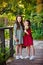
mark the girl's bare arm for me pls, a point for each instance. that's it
(26, 32)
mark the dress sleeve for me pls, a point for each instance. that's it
(15, 29)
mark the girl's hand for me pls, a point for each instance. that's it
(16, 39)
(26, 32)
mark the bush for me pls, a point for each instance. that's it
(6, 54)
(37, 26)
(2, 59)
(7, 34)
(2, 22)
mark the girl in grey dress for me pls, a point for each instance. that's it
(18, 36)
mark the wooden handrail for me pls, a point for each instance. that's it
(2, 36)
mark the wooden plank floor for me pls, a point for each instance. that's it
(38, 60)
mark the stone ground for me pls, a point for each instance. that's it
(38, 53)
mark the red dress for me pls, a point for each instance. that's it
(27, 39)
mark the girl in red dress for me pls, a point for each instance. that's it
(28, 40)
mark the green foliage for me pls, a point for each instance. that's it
(16, 7)
(2, 55)
(6, 54)
(26, 8)
(2, 22)
(37, 34)
(37, 26)
(6, 34)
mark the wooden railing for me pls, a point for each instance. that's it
(2, 39)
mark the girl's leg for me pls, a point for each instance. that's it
(32, 50)
(20, 50)
(28, 52)
(17, 51)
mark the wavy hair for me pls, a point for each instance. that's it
(18, 25)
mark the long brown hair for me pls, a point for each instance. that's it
(18, 25)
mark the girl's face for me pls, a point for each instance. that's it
(25, 23)
(19, 19)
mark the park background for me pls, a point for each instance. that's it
(29, 9)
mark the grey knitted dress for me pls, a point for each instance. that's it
(18, 34)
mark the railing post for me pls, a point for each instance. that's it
(3, 44)
(11, 41)
(2, 40)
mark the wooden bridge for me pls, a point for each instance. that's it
(38, 51)
(37, 61)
